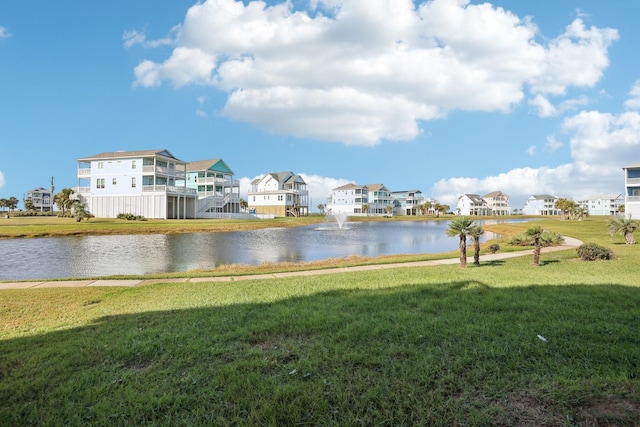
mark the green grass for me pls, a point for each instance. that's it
(408, 346)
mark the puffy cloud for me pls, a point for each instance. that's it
(1, 179)
(633, 103)
(4, 33)
(601, 144)
(553, 144)
(362, 72)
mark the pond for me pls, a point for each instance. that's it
(91, 256)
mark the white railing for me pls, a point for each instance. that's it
(84, 171)
(633, 181)
(168, 189)
(633, 198)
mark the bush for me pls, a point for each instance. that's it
(548, 238)
(593, 251)
(494, 248)
(131, 217)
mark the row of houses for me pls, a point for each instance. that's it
(156, 184)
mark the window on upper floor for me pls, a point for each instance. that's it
(133, 164)
(100, 183)
(100, 165)
(133, 182)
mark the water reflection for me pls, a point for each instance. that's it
(144, 254)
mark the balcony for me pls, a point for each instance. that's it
(169, 189)
(633, 198)
(84, 172)
(633, 181)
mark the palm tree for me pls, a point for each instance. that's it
(80, 211)
(321, 208)
(427, 207)
(624, 226)
(243, 205)
(461, 226)
(476, 231)
(566, 206)
(536, 234)
(63, 199)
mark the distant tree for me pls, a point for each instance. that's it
(624, 226)
(621, 209)
(321, 208)
(64, 200)
(476, 231)
(4, 203)
(535, 233)
(427, 207)
(566, 206)
(581, 211)
(445, 208)
(365, 208)
(13, 203)
(243, 204)
(28, 204)
(461, 226)
(388, 209)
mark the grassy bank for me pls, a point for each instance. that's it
(504, 343)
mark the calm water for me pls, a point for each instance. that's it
(142, 254)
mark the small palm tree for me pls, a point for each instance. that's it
(476, 232)
(461, 226)
(624, 226)
(80, 211)
(536, 234)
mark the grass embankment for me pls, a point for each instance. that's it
(504, 343)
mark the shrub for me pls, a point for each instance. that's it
(494, 248)
(593, 251)
(131, 217)
(547, 238)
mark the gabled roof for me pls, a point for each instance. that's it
(475, 198)
(542, 197)
(494, 194)
(280, 177)
(611, 196)
(129, 154)
(215, 165)
(349, 186)
(376, 187)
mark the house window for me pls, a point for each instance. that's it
(133, 164)
(100, 183)
(133, 181)
(100, 165)
(279, 197)
(114, 181)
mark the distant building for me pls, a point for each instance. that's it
(542, 204)
(279, 194)
(602, 204)
(218, 192)
(407, 203)
(351, 199)
(472, 205)
(498, 203)
(380, 200)
(149, 183)
(41, 199)
(632, 191)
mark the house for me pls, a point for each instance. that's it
(472, 204)
(542, 204)
(380, 200)
(41, 199)
(632, 191)
(279, 194)
(498, 203)
(351, 199)
(407, 202)
(218, 193)
(602, 204)
(149, 183)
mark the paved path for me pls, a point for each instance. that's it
(569, 243)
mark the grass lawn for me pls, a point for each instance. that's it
(503, 343)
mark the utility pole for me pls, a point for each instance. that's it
(51, 198)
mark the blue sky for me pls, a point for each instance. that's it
(444, 96)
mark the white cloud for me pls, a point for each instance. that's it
(531, 150)
(543, 106)
(633, 103)
(372, 71)
(319, 188)
(601, 144)
(553, 144)
(135, 37)
(4, 33)
(1, 179)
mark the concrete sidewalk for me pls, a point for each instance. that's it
(569, 243)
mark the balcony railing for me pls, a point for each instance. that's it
(633, 181)
(221, 181)
(169, 189)
(633, 198)
(84, 172)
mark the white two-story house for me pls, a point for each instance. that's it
(218, 192)
(472, 204)
(602, 204)
(380, 200)
(144, 183)
(632, 191)
(279, 194)
(350, 199)
(542, 204)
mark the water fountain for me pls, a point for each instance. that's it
(334, 221)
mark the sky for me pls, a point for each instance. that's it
(444, 96)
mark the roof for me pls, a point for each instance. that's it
(637, 165)
(611, 196)
(376, 187)
(129, 154)
(349, 186)
(217, 165)
(475, 198)
(542, 197)
(495, 194)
